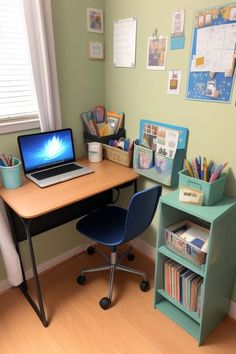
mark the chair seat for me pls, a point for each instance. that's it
(105, 225)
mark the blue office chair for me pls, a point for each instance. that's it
(112, 226)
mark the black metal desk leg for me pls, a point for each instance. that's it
(40, 308)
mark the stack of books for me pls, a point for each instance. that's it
(101, 123)
(183, 285)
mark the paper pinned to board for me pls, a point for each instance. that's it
(215, 47)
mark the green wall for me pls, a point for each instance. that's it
(142, 93)
(139, 92)
(82, 87)
(81, 81)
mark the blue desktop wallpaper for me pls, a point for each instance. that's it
(42, 150)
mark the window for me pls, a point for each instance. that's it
(18, 103)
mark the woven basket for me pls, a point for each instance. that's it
(116, 155)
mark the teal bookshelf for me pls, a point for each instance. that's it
(218, 272)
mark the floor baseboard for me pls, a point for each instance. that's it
(142, 246)
(5, 285)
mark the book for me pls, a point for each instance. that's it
(183, 277)
(173, 279)
(194, 290)
(167, 275)
(99, 114)
(179, 271)
(103, 129)
(199, 298)
(166, 280)
(189, 281)
(176, 280)
(143, 158)
(89, 123)
(114, 121)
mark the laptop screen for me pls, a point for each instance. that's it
(44, 150)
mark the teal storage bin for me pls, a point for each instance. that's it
(11, 175)
(213, 192)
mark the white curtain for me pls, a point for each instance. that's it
(9, 254)
(38, 17)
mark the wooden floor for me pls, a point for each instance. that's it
(79, 325)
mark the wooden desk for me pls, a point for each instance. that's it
(32, 210)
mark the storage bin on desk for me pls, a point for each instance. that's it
(104, 139)
(117, 155)
(213, 192)
(183, 248)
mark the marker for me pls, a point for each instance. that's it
(217, 172)
(189, 168)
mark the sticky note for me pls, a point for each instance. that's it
(199, 61)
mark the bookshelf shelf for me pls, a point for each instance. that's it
(178, 316)
(193, 315)
(198, 270)
(218, 275)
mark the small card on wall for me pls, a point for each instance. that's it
(96, 50)
(177, 33)
(174, 80)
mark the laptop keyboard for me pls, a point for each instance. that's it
(55, 171)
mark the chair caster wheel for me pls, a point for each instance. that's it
(105, 303)
(144, 285)
(81, 279)
(90, 250)
(130, 257)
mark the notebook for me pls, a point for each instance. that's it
(49, 158)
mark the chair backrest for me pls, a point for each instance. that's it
(141, 211)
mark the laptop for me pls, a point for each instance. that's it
(49, 158)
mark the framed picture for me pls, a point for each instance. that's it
(96, 50)
(94, 20)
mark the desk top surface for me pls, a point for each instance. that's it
(30, 201)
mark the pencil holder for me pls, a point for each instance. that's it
(213, 191)
(11, 175)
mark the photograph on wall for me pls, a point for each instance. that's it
(94, 20)
(96, 50)
(174, 79)
(156, 53)
(212, 58)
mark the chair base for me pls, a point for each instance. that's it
(113, 264)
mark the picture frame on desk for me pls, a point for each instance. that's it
(96, 50)
(95, 20)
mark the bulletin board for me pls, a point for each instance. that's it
(212, 58)
(160, 151)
